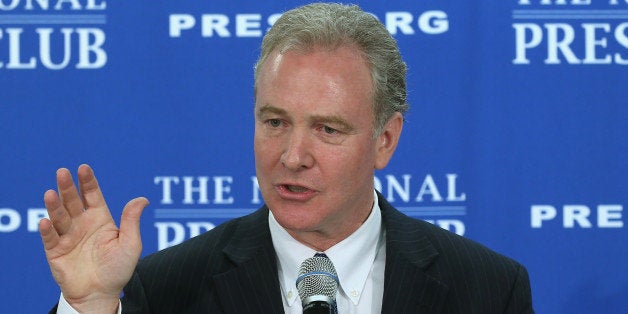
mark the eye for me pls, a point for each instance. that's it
(329, 130)
(275, 123)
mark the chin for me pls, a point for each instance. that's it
(296, 220)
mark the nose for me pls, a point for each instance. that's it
(297, 152)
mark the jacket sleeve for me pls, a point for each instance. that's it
(134, 300)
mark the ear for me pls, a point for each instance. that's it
(387, 141)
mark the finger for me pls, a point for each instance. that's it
(49, 235)
(68, 193)
(92, 195)
(130, 220)
(59, 217)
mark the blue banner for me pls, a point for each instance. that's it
(516, 134)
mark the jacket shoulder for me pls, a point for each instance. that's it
(205, 247)
(183, 274)
(478, 278)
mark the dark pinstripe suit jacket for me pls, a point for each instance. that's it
(232, 269)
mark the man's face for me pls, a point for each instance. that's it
(315, 154)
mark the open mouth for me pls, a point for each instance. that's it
(298, 193)
(295, 188)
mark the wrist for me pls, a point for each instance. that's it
(94, 304)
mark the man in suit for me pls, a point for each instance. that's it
(329, 102)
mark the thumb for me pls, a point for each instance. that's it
(130, 220)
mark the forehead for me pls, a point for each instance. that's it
(338, 76)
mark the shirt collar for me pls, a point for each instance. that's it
(352, 257)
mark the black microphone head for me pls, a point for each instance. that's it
(317, 280)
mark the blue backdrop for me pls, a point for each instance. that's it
(516, 135)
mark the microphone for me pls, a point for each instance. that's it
(317, 285)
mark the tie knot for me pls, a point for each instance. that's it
(320, 255)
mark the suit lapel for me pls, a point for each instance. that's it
(408, 288)
(251, 286)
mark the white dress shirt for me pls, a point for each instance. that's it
(359, 261)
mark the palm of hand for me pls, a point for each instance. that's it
(90, 258)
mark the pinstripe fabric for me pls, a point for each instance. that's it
(232, 269)
(431, 270)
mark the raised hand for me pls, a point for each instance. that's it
(90, 258)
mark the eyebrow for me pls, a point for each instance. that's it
(343, 124)
(268, 109)
(335, 120)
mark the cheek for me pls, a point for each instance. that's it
(258, 150)
(265, 150)
(356, 154)
(351, 163)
